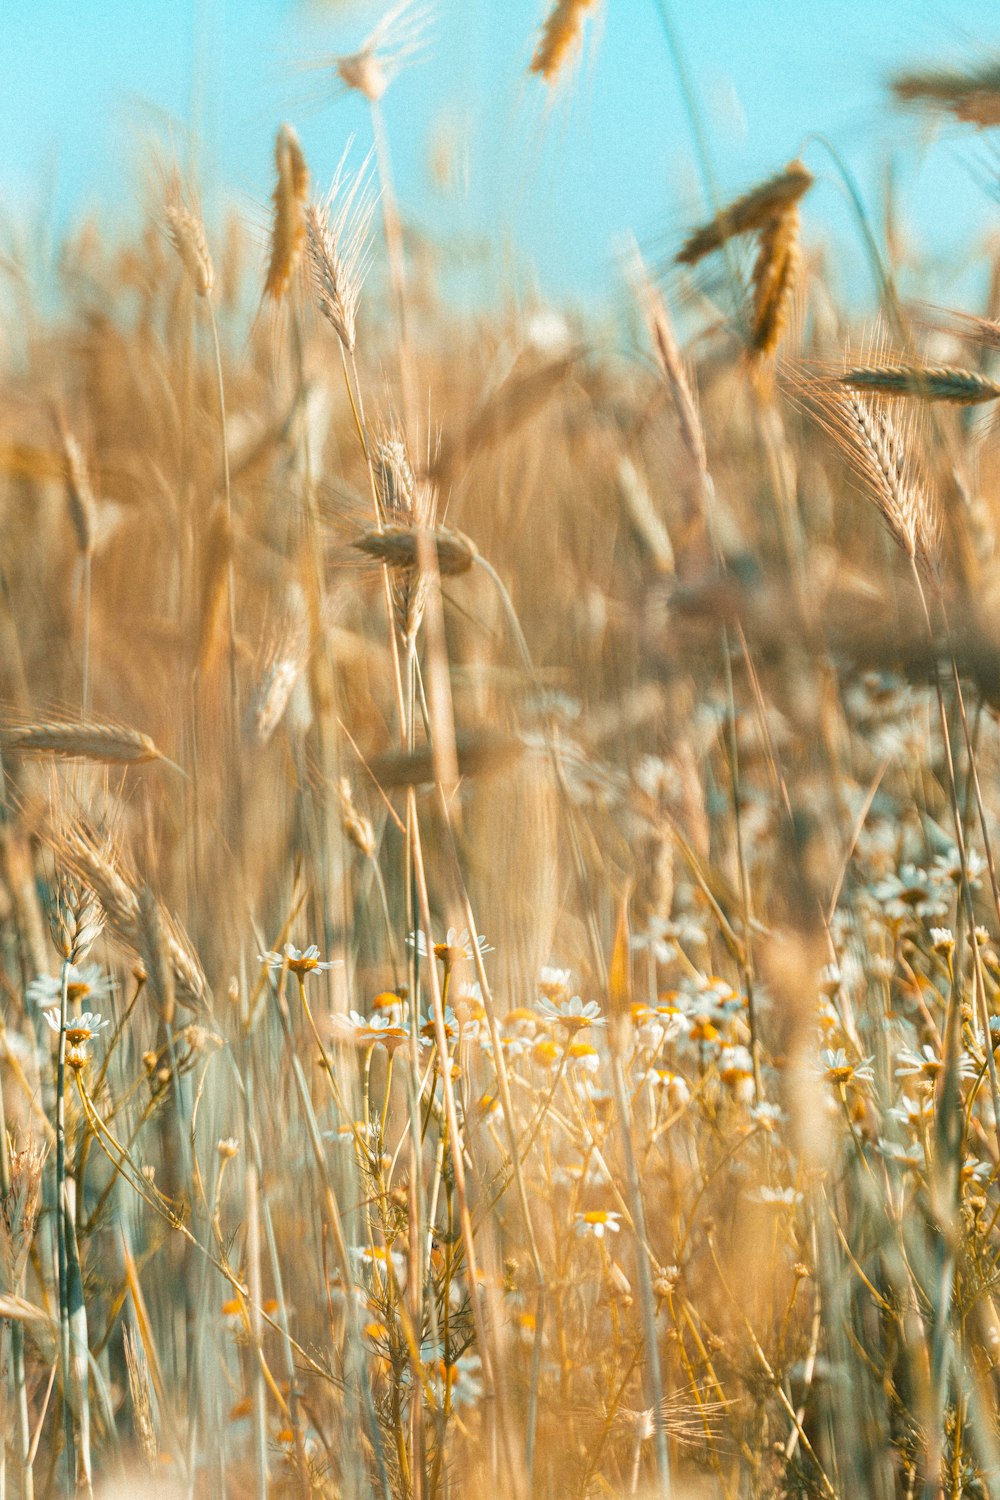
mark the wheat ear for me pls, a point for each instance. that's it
(288, 227)
(560, 34)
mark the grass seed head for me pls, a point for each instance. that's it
(79, 493)
(560, 34)
(971, 95)
(923, 383)
(111, 744)
(775, 272)
(187, 235)
(400, 547)
(76, 920)
(754, 210)
(288, 226)
(338, 233)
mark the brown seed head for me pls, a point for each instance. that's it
(774, 275)
(187, 235)
(79, 493)
(111, 744)
(972, 95)
(399, 547)
(75, 919)
(923, 383)
(288, 227)
(560, 34)
(753, 210)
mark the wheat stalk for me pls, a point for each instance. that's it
(675, 373)
(217, 561)
(79, 492)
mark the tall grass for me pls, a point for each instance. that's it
(499, 925)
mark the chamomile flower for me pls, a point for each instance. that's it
(912, 892)
(453, 1028)
(554, 984)
(573, 1013)
(79, 1029)
(299, 961)
(378, 1030)
(768, 1116)
(674, 1086)
(597, 1222)
(582, 1055)
(456, 945)
(85, 983)
(948, 867)
(837, 1070)
(913, 1112)
(390, 1004)
(911, 1156)
(736, 1071)
(925, 1064)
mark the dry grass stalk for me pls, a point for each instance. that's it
(561, 32)
(286, 658)
(289, 226)
(675, 373)
(643, 514)
(477, 752)
(110, 744)
(775, 273)
(92, 858)
(187, 235)
(339, 243)
(141, 1391)
(357, 828)
(924, 382)
(19, 1209)
(79, 492)
(216, 560)
(154, 955)
(756, 209)
(972, 95)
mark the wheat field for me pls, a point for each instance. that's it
(499, 906)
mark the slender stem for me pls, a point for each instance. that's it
(88, 569)
(22, 1416)
(227, 492)
(60, 1230)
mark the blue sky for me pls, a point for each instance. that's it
(551, 184)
